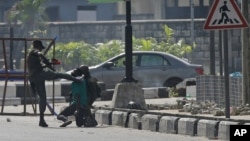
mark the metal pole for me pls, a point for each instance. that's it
(192, 22)
(11, 48)
(212, 50)
(220, 52)
(245, 57)
(226, 73)
(128, 44)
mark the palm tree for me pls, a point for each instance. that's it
(30, 15)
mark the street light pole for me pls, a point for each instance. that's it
(128, 45)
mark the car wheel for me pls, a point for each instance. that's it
(172, 82)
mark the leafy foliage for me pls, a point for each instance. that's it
(109, 49)
(74, 54)
(29, 13)
(179, 49)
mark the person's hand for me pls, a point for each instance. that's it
(54, 61)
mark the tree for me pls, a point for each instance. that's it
(30, 15)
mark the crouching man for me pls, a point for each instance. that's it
(80, 101)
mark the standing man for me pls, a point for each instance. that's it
(37, 63)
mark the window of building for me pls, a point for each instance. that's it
(186, 3)
(206, 2)
(86, 13)
(196, 2)
(183, 3)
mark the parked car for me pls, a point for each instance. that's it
(150, 68)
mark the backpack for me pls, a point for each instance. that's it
(93, 90)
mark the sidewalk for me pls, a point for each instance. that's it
(159, 102)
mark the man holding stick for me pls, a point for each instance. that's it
(37, 63)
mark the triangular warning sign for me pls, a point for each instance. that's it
(225, 14)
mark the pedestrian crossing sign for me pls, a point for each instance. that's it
(225, 14)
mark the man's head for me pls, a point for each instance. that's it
(82, 70)
(38, 44)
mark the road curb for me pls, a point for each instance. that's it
(141, 120)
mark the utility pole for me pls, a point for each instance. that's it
(245, 56)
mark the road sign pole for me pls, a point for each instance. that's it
(226, 73)
(220, 52)
(225, 14)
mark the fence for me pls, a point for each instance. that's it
(211, 88)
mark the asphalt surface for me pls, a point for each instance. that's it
(25, 128)
(15, 127)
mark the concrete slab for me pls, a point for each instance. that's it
(169, 124)
(191, 91)
(126, 92)
(134, 121)
(150, 93)
(119, 118)
(187, 126)
(50, 89)
(150, 122)
(10, 89)
(103, 117)
(207, 128)
(224, 129)
(107, 94)
(10, 101)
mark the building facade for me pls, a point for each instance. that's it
(82, 10)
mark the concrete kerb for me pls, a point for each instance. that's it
(150, 122)
(208, 128)
(187, 126)
(169, 124)
(62, 89)
(103, 116)
(212, 128)
(224, 129)
(119, 118)
(134, 121)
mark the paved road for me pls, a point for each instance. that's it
(25, 128)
